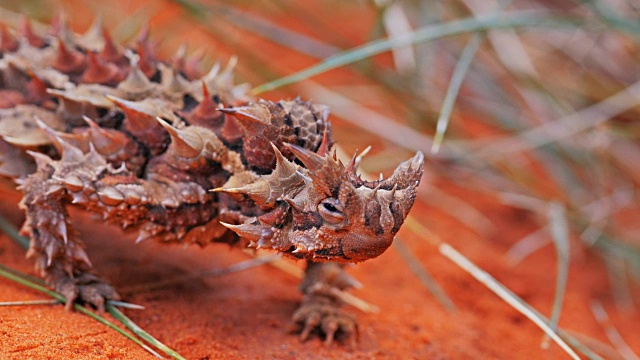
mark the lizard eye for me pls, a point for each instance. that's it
(331, 211)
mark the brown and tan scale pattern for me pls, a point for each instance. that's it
(182, 157)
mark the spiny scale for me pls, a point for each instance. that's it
(179, 155)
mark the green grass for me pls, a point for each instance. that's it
(23, 280)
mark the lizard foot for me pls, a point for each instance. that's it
(323, 314)
(85, 288)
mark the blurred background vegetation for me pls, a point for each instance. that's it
(538, 118)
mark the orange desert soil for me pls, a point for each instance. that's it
(245, 315)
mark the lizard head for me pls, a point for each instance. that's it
(324, 211)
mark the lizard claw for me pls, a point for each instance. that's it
(85, 288)
(323, 314)
(310, 323)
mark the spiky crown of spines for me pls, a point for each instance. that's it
(94, 80)
(90, 75)
(294, 122)
(315, 211)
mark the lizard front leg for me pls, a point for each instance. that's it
(321, 307)
(58, 252)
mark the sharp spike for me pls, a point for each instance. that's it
(247, 231)
(185, 144)
(8, 42)
(137, 118)
(296, 205)
(229, 190)
(307, 180)
(90, 122)
(211, 76)
(27, 33)
(80, 254)
(253, 118)
(145, 63)
(50, 255)
(143, 35)
(41, 160)
(193, 65)
(36, 89)
(375, 190)
(69, 152)
(142, 236)
(226, 76)
(99, 72)
(177, 83)
(136, 82)
(324, 145)
(79, 140)
(110, 51)
(56, 22)
(205, 92)
(62, 230)
(284, 167)
(60, 28)
(407, 172)
(178, 59)
(68, 60)
(259, 191)
(311, 160)
(94, 33)
(352, 167)
(206, 114)
(105, 141)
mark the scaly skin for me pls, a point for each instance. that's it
(183, 158)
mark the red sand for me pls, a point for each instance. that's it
(246, 314)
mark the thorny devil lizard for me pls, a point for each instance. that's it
(183, 158)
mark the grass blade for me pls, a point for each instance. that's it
(505, 294)
(30, 302)
(24, 280)
(422, 274)
(560, 234)
(563, 127)
(13, 276)
(612, 333)
(262, 27)
(462, 66)
(116, 313)
(372, 121)
(428, 33)
(8, 228)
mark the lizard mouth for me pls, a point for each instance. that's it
(356, 248)
(384, 207)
